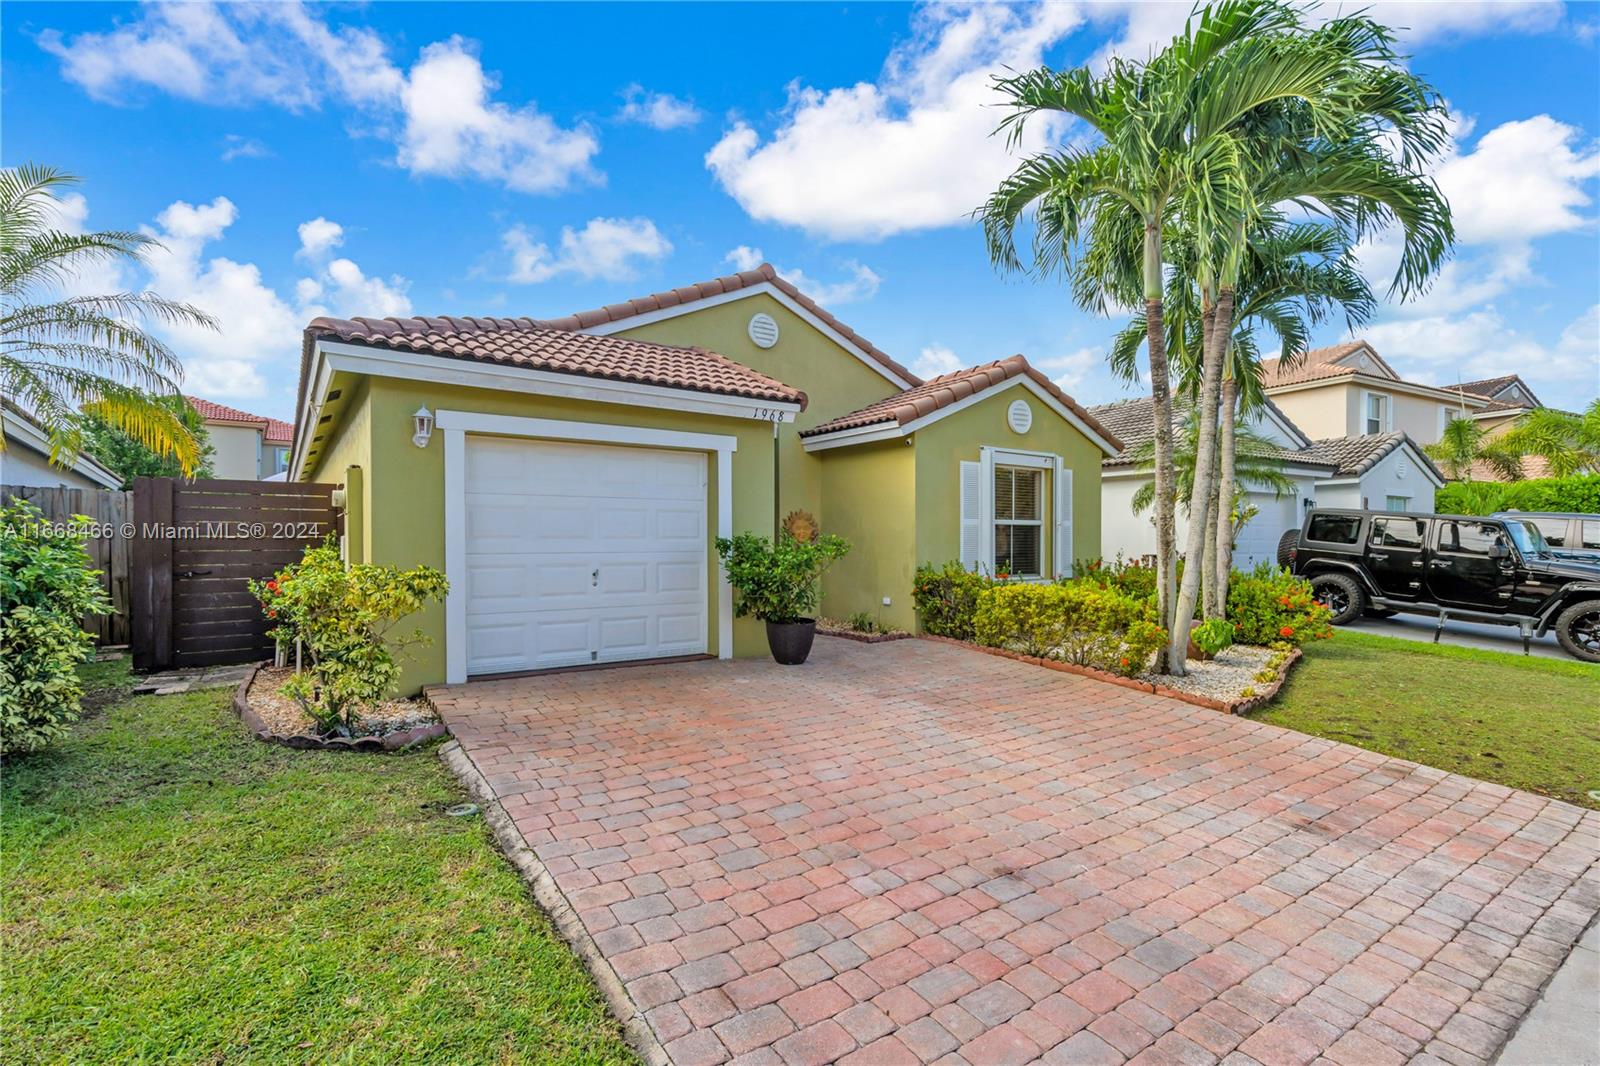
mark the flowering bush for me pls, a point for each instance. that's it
(342, 615)
(1269, 605)
(1131, 576)
(1078, 623)
(946, 598)
(46, 587)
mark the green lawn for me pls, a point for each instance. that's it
(1525, 722)
(173, 890)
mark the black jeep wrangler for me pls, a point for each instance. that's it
(1497, 570)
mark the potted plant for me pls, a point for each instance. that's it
(780, 585)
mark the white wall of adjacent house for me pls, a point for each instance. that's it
(1396, 483)
(21, 465)
(237, 451)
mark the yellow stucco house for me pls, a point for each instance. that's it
(571, 475)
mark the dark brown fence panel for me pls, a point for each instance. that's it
(108, 512)
(198, 544)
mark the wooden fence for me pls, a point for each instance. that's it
(108, 511)
(195, 545)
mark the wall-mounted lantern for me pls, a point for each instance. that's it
(422, 423)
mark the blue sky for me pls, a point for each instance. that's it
(537, 159)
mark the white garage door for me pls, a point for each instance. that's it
(582, 553)
(1258, 540)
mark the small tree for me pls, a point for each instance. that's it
(343, 616)
(779, 583)
(129, 457)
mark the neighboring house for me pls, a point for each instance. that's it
(570, 475)
(26, 459)
(245, 447)
(1381, 471)
(1508, 398)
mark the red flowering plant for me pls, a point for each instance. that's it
(1269, 605)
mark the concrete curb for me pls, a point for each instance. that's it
(555, 903)
(1559, 1027)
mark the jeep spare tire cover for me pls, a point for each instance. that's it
(1286, 542)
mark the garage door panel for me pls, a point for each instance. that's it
(583, 553)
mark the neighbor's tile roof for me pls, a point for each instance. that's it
(220, 412)
(523, 342)
(1533, 466)
(1488, 386)
(278, 431)
(1356, 455)
(1315, 365)
(942, 391)
(1134, 422)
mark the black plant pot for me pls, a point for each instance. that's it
(791, 641)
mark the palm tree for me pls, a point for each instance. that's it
(1568, 443)
(1260, 466)
(1464, 443)
(62, 357)
(1167, 144)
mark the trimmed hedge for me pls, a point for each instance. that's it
(1080, 623)
(1579, 494)
(946, 598)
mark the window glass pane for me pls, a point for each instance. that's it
(1591, 534)
(1468, 538)
(1397, 503)
(1016, 550)
(1003, 492)
(1397, 533)
(1334, 528)
(1026, 502)
(1554, 530)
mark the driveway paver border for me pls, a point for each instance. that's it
(555, 903)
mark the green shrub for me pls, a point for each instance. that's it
(1270, 606)
(1578, 494)
(1077, 623)
(1212, 635)
(342, 616)
(46, 587)
(946, 598)
(1131, 576)
(779, 584)
(862, 622)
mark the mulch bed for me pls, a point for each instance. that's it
(274, 718)
(829, 628)
(1236, 705)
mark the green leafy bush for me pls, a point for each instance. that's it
(1269, 606)
(1079, 623)
(342, 616)
(1212, 635)
(46, 587)
(946, 598)
(862, 622)
(1132, 577)
(782, 583)
(1579, 494)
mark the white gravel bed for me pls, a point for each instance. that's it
(1224, 678)
(283, 715)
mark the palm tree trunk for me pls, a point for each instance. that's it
(1214, 590)
(1161, 411)
(1226, 480)
(1204, 463)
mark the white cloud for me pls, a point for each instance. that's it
(454, 128)
(605, 248)
(1522, 180)
(659, 111)
(934, 360)
(237, 146)
(441, 113)
(318, 237)
(1447, 349)
(343, 290)
(861, 284)
(912, 150)
(1069, 370)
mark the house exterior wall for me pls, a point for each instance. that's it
(1396, 474)
(351, 450)
(1134, 535)
(834, 380)
(870, 496)
(237, 451)
(1421, 418)
(944, 445)
(1325, 411)
(22, 465)
(404, 493)
(1338, 409)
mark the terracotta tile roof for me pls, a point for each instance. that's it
(278, 431)
(716, 287)
(942, 391)
(211, 411)
(1307, 368)
(523, 342)
(1134, 422)
(1488, 387)
(1533, 466)
(1356, 455)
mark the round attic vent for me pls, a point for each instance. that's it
(1019, 416)
(1364, 362)
(763, 330)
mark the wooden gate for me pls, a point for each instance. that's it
(107, 544)
(196, 543)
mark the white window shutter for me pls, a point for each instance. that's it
(1063, 547)
(971, 515)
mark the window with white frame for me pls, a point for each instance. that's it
(1376, 415)
(1397, 503)
(1018, 521)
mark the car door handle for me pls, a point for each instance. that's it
(1441, 562)
(1375, 557)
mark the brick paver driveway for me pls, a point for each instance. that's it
(914, 852)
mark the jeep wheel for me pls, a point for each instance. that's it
(1342, 596)
(1578, 630)
(1286, 542)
